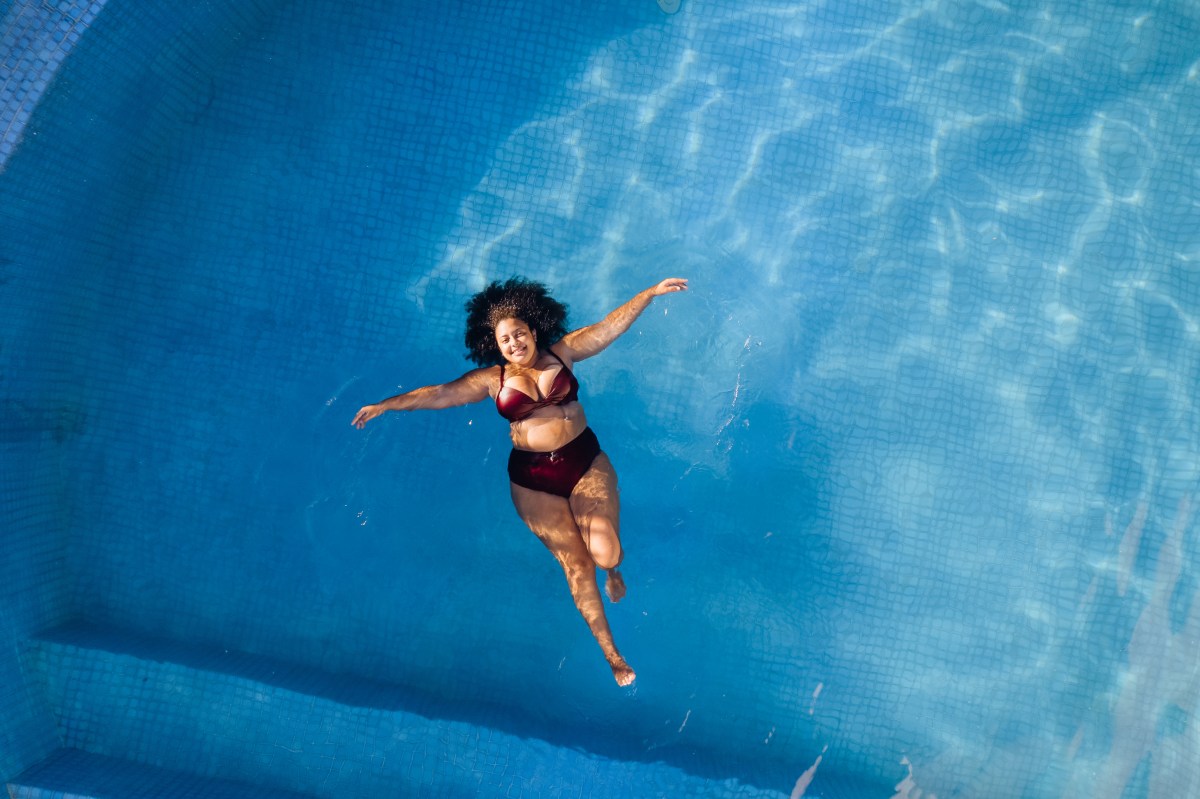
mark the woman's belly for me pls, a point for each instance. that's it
(549, 428)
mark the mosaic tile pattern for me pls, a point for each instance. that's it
(35, 589)
(297, 729)
(72, 774)
(35, 38)
(62, 203)
(907, 477)
(39, 409)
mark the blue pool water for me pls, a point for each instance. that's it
(907, 476)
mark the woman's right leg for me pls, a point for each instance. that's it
(551, 520)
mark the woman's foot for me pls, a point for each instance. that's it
(621, 671)
(614, 586)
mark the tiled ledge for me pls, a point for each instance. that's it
(72, 774)
(217, 714)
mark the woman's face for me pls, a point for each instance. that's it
(517, 343)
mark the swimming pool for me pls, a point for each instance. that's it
(907, 475)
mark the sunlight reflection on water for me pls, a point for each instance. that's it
(958, 245)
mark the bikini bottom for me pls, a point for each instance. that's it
(558, 471)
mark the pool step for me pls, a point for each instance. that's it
(81, 775)
(253, 720)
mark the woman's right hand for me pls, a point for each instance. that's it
(366, 414)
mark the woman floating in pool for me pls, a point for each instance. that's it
(563, 485)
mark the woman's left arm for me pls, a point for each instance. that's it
(587, 341)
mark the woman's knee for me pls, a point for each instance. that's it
(603, 544)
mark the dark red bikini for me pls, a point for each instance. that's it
(515, 405)
(556, 472)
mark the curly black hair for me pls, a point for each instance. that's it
(515, 298)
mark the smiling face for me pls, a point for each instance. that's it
(517, 343)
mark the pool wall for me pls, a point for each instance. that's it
(68, 198)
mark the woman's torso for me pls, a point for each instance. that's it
(551, 416)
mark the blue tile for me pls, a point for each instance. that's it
(908, 474)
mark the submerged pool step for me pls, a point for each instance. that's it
(81, 775)
(257, 721)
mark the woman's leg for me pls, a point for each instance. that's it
(596, 506)
(551, 520)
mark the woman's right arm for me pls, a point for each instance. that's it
(471, 387)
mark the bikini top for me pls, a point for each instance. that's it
(515, 405)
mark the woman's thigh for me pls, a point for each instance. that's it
(550, 518)
(595, 501)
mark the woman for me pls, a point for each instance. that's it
(563, 485)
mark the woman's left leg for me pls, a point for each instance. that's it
(596, 506)
(550, 519)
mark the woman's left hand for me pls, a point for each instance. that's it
(669, 285)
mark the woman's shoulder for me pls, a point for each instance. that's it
(563, 353)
